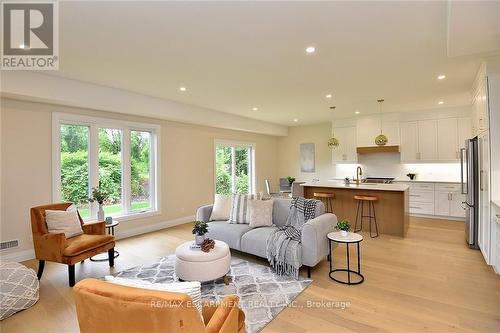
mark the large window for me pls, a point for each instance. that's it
(234, 168)
(118, 157)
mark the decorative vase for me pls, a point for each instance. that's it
(343, 233)
(100, 213)
(199, 239)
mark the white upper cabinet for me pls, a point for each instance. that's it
(427, 140)
(409, 140)
(346, 151)
(369, 129)
(480, 109)
(447, 139)
(464, 130)
(434, 140)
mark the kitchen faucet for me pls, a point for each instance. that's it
(359, 172)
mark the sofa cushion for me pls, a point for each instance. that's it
(254, 241)
(83, 243)
(260, 213)
(222, 207)
(226, 232)
(281, 209)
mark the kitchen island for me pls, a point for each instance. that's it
(391, 208)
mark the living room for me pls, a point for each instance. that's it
(221, 113)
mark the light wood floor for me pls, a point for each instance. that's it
(428, 281)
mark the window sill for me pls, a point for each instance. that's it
(136, 216)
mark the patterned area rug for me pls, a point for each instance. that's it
(262, 293)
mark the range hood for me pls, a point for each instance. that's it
(377, 149)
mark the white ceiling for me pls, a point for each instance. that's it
(233, 56)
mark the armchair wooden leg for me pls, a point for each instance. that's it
(71, 274)
(41, 266)
(111, 257)
(308, 272)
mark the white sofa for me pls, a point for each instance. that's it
(245, 239)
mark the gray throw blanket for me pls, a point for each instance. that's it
(284, 248)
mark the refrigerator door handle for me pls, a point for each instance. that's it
(462, 151)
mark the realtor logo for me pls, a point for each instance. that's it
(30, 36)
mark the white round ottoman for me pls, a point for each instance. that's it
(196, 265)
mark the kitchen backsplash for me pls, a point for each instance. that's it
(389, 165)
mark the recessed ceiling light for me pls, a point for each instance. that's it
(356, 112)
(182, 88)
(310, 49)
(441, 77)
(328, 96)
(255, 109)
(440, 102)
(295, 120)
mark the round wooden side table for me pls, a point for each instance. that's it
(351, 238)
(111, 231)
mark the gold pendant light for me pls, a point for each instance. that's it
(381, 139)
(333, 143)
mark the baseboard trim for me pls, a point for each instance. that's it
(153, 227)
(18, 256)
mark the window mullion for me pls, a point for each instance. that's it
(126, 172)
(233, 169)
(94, 166)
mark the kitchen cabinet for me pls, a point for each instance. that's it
(480, 108)
(484, 226)
(427, 140)
(464, 130)
(449, 200)
(409, 140)
(369, 128)
(447, 139)
(346, 151)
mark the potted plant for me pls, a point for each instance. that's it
(99, 196)
(200, 228)
(343, 226)
(411, 175)
(290, 180)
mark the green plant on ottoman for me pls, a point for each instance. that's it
(343, 226)
(200, 228)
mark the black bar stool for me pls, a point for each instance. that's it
(327, 199)
(370, 200)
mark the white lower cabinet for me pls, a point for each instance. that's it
(436, 199)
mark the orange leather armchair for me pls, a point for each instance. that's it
(103, 307)
(57, 248)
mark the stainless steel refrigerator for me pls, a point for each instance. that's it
(469, 158)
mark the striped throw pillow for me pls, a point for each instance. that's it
(239, 209)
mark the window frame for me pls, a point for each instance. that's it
(236, 144)
(94, 123)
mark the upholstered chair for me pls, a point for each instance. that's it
(103, 307)
(57, 248)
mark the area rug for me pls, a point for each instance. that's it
(262, 293)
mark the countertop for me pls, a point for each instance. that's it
(340, 184)
(413, 181)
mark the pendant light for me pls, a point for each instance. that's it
(381, 139)
(333, 143)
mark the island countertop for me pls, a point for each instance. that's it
(362, 186)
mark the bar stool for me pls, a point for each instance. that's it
(327, 199)
(371, 212)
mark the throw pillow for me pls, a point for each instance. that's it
(239, 209)
(193, 289)
(260, 213)
(222, 208)
(63, 221)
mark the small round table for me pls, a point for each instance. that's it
(111, 231)
(349, 239)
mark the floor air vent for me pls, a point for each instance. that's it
(9, 244)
